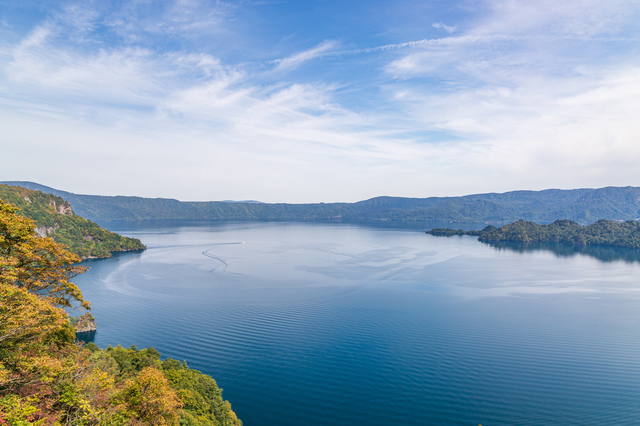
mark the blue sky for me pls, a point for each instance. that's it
(300, 101)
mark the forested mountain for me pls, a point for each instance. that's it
(55, 218)
(581, 205)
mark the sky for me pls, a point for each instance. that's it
(319, 101)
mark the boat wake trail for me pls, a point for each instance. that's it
(219, 259)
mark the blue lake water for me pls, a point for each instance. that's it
(338, 324)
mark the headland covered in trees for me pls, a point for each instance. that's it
(46, 379)
(54, 217)
(602, 233)
(583, 206)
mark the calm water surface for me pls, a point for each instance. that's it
(334, 324)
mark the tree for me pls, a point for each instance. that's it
(38, 265)
(151, 398)
(37, 355)
(46, 379)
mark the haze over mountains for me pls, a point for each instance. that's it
(584, 206)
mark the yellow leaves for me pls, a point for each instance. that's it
(47, 368)
(72, 397)
(39, 265)
(152, 400)
(187, 397)
(26, 319)
(97, 380)
(47, 380)
(45, 268)
(35, 336)
(17, 411)
(90, 393)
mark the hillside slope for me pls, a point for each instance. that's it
(55, 218)
(581, 205)
(48, 379)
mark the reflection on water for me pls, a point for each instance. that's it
(602, 253)
(86, 336)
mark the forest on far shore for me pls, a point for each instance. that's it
(603, 232)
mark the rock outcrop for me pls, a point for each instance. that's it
(84, 323)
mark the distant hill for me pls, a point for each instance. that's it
(55, 218)
(584, 206)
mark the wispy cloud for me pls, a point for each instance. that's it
(424, 43)
(214, 108)
(522, 95)
(577, 18)
(447, 28)
(299, 58)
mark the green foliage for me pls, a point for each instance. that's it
(36, 265)
(16, 411)
(198, 393)
(581, 205)
(131, 361)
(203, 403)
(601, 233)
(54, 217)
(74, 320)
(103, 361)
(46, 379)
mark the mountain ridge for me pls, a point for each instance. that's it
(583, 205)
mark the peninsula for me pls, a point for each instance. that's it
(603, 233)
(54, 217)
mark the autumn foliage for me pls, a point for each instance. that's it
(47, 379)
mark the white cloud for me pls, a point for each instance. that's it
(424, 43)
(136, 21)
(544, 132)
(579, 18)
(536, 90)
(122, 76)
(78, 20)
(107, 102)
(35, 39)
(519, 98)
(299, 58)
(447, 28)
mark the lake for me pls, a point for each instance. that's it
(343, 324)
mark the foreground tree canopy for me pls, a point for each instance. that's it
(47, 379)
